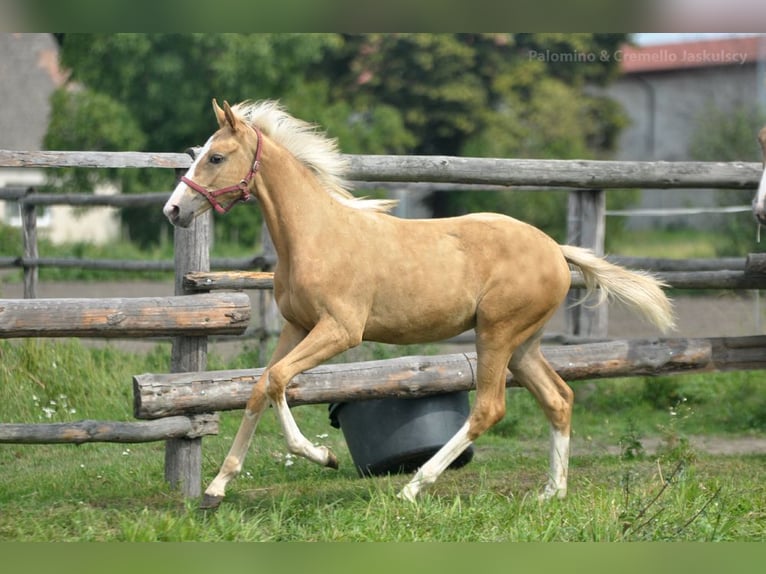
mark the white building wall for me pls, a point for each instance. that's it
(61, 223)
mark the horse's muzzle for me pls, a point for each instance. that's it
(173, 213)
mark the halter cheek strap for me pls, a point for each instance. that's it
(243, 186)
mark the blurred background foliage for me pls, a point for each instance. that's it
(451, 94)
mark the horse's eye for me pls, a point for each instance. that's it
(216, 158)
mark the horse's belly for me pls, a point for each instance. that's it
(412, 336)
(420, 322)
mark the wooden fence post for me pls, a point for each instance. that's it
(183, 456)
(586, 227)
(268, 313)
(29, 233)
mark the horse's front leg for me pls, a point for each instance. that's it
(232, 464)
(327, 339)
(257, 403)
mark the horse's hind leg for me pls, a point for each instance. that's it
(488, 408)
(256, 405)
(532, 371)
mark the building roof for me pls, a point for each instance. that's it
(697, 54)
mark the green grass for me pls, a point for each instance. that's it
(670, 244)
(618, 491)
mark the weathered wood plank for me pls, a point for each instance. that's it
(109, 431)
(158, 395)
(14, 158)
(755, 264)
(675, 265)
(202, 281)
(91, 200)
(200, 314)
(124, 264)
(712, 279)
(589, 174)
(720, 279)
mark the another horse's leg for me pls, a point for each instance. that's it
(532, 371)
(493, 354)
(327, 339)
(256, 404)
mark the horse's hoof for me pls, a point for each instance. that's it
(332, 461)
(552, 493)
(408, 494)
(210, 502)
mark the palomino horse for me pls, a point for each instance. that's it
(347, 272)
(759, 201)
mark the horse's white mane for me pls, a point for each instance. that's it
(310, 146)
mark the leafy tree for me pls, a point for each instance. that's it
(90, 120)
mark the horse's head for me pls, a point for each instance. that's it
(759, 201)
(221, 173)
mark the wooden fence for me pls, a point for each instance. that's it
(586, 180)
(176, 407)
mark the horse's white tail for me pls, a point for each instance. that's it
(637, 289)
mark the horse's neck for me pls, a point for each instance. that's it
(296, 210)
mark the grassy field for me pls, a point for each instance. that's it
(619, 490)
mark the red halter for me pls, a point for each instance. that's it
(242, 186)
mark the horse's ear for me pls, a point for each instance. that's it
(219, 114)
(225, 116)
(230, 118)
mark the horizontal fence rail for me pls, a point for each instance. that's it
(160, 395)
(190, 427)
(587, 174)
(93, 159)
(27, 196)
(584, 174)
(729, 273)
(126, 264)
(192, 315)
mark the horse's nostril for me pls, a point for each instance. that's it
(172, 212)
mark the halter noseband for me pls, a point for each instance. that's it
(242, 186)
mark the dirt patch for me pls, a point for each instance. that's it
(714, 445)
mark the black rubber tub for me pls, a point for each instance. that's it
(389, 436)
